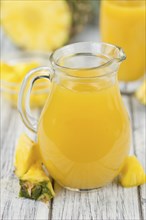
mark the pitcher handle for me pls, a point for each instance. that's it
(24, 95)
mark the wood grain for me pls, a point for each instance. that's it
(111, 202)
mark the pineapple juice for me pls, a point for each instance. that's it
(123, 23)
(84, 133)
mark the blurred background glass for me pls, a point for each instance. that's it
(122, 22)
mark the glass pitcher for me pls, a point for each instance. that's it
(83, 131)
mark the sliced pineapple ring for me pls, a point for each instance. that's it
(37, 25)
(25, 155)
(132, 173)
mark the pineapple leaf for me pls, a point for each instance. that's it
(42, 191)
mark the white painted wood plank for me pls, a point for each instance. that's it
(13, 207)
(139, 133)
(6, 44)
(111, 202)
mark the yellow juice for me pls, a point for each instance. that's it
(84, 133)
(122, 22)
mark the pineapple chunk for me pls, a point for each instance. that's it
(37, 25)
(132, 174)
(25, 155)
(35, 184)
(23, 68)
(8, 72)
(141, 93)
(35, 174)
(16, 72)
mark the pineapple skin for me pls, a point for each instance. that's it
(81, 14)
(36, 185)
(42, 191)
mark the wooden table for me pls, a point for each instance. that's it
(109, 203)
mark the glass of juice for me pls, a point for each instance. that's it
(122, 22)
(84, 131)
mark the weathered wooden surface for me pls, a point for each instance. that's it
(109, 203)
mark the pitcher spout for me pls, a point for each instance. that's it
(121, 56)
(116, 56)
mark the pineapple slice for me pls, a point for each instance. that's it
(141, 93)
(25, 155)
(37, 25)
(132, 174)
(35, 184)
